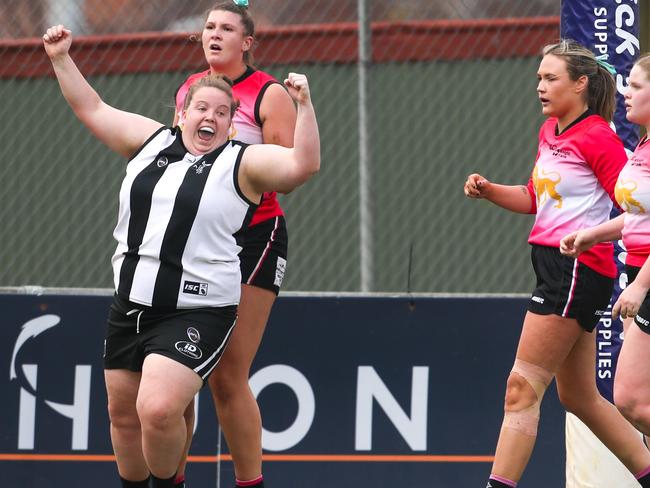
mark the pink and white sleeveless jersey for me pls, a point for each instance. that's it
(249, 89)
(573, 185)
(633, 196)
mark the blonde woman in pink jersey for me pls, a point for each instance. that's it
(631, 385)
(266, 115)
(572, 187)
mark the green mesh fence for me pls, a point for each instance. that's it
(451, 91)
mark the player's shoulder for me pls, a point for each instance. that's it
(193, 78)
(596, 130)
(254, 79)
(547, 128)
(264, 77)
(598, 139)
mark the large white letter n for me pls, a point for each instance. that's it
(413, 429)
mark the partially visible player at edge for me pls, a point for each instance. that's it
(572, 187)
(631, 385)
(266, 114)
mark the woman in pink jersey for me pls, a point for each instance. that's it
(631, 386)
(572, 187)
(266, 115)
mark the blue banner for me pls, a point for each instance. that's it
(354, 391)
(610, 28)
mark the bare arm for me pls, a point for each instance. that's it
(268, 167)
(515, 198)
(580, 241)
(633, 295)
(278, 115)
(123, 132)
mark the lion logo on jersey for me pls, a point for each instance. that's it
(545, 186)
(623, 193)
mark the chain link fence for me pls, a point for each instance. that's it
(449, 89)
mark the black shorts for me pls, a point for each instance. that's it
(263, 259)
(642, 318)
(194, 337)
(568, 288)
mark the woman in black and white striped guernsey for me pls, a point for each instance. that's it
(187, 194)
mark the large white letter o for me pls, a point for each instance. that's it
(294, 379)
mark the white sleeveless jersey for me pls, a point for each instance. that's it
(179, 223)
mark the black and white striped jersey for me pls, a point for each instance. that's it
(178, 225)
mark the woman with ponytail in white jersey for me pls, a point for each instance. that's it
(631, 385)
(265, 114)
(187, 196)
(571, 188)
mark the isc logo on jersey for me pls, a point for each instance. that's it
(195, 288)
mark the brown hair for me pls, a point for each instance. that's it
(580, 61)
(246, 21)
(644, 63)
(218, 81)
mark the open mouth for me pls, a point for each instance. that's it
(215, 48)
(206, 133)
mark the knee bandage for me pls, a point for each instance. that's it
(526, 419)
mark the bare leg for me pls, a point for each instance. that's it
(166, 389)
(189, 425)
(631, 387)
(545, 342)
(623, 404)
(126, 435)
(578, 393)
(236, 406)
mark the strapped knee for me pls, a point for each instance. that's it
(526, 419)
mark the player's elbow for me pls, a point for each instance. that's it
(303, 173)
(91, 116)
(309, 169)
(313, 169)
